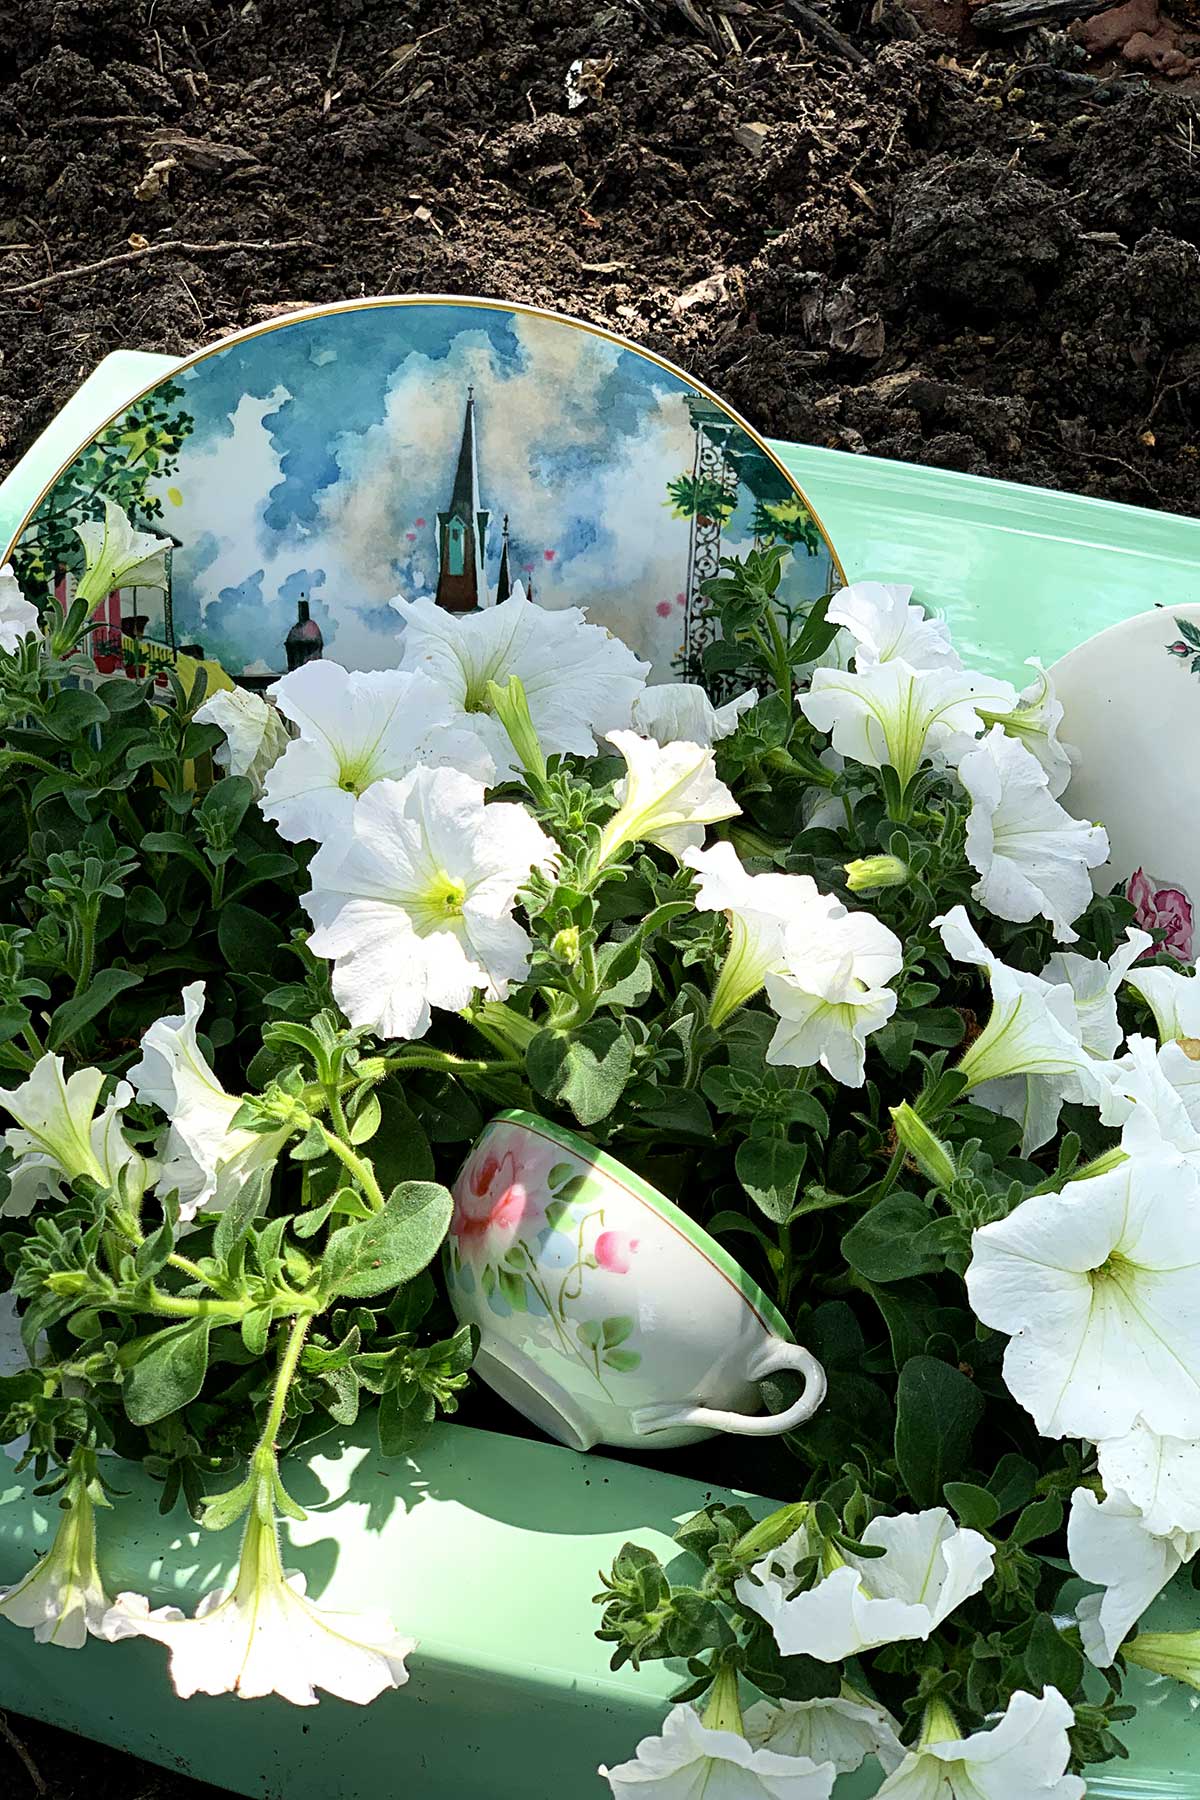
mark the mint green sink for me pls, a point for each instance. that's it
(486, 1547)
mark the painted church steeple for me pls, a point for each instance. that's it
(504, 578)
(462, 529)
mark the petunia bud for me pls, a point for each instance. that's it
(930, 1154)
(565, 944)
(875, 872)
(772, 1531)
(512, 709)
(1174, 1653)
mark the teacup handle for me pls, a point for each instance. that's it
(769, 1359)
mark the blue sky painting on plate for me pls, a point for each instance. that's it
(333, 458)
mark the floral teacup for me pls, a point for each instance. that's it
(606, 1315)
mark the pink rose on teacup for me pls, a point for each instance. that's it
(493, 1198)
(1164, 909)
(614, 1251)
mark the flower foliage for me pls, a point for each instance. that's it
(797, 958)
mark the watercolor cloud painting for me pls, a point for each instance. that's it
(310, 473)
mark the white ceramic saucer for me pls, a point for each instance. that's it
(1131, 699)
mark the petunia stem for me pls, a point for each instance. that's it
(358, 1166)
(288, 1364)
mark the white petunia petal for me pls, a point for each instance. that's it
(18, 616)
(670, 793)
(357, 728)
(843, 1731)
(415, 907)
(675, 710)
(579, 680)
(929, 1567)
(1099, 1289)
(1108, 1543)
(1023, 1757)
(886, 628)
(255, 735)
(1159, 1475)
(689, 1761)
(892, 714)
(1031, 856)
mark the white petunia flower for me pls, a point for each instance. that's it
(579, 680)
(929, 1567)
(206, 1161)
(1035, 1101)
(669, 795)
(265, 1637)
(1034, 722)
(1174, 1000)
(62, 1599)
(18, 616)
(760, 911)
(843, 1731)
(1155, 1097)
(58, 1135)
(674, 710)
(415, 909)
(255, 735)
(1023, 1757)
(1099, 1289)
(117, 555)
(1108, 1544)
(886, 628)
(832, 992)
(357, 728)
(1159, 1475)
(892, 714)
(689, 1760)
(1032, 857)
(1033, 1032)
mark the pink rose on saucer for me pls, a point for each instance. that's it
(614, 1251)
(1165, 909)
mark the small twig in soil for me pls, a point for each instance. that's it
(133, 256)
(94, 120)
(21, 1753)
(824, 33)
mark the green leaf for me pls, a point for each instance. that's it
(971, 1505)
(402, 1417)
(881, 1245)
(169, 1371)
(226, 803)
(248, 940)
(389, 1249)
(585, 1070)
(366, 1120)
(144, 906)
(1012, 1481)
(617, 1329)
(1042, 1518)
(622, 1360)
(1051, 1659)
(769, 1169)
(248, 1204)
(73, 711)
(937, 1410)
(100, 993)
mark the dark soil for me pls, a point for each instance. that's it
(980, 258)
(914, 246)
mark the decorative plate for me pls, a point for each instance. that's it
(1131, 700)
(310, 470)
